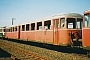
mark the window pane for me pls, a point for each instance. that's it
(32, 26)
(23, 27)
(39, 25)
(47, 24)
(16, 28)
(87, 20)
(62, 22)
(27, 27)
(10, 30)
(13, 29)
(79, 23)
(71, 23)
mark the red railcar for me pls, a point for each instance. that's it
(86, 30)
(60, 29)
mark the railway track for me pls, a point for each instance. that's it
(29, 54)
(43, 52)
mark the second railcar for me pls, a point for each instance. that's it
(86, 30)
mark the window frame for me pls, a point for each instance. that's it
(32, 27)
(23, 27)
(88, 23)
(39, 25)
(71, 22)
(16, 28)
(81, 23)
(27, 27)
(47, 26)
(61, 23)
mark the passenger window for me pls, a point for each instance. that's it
(10, 30)
(23, 27)
(39, 25)
(13, 29)
(7, 30)
(47, 24)
(71, 23)
(27, 27)
(4, 30)
(0, 30)
(16, 28)
(62, 22)
(32, 26)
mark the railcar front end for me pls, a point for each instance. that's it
(86, 30)
(68, 29)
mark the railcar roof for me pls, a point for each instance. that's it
(56, 16)
(12, 26)
(52, 17)
(2, 28)
(69, 15)
(87, 11)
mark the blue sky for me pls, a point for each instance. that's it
(28, 10)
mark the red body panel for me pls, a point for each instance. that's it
(63, 35)
(43, 35)
(48, 36)
(86, 32)
(56, 36)
(86, 36)
(11, 35)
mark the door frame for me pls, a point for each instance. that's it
(19, 29)
(55, 32)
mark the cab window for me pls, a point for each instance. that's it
(79, 23)
(71, 23)
(87, 20)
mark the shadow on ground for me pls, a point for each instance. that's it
(4, 54)
(52, 47)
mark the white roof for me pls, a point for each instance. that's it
(52, 17)
(88, 10)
